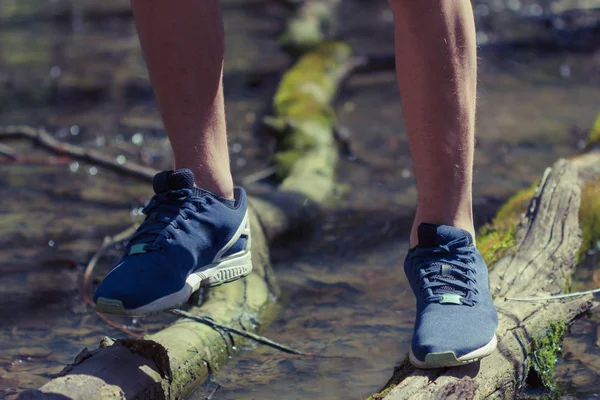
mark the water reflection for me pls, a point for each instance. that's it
(332, 296)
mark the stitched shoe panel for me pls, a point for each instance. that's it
(180, 245)
(456, 319)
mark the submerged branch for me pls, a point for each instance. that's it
(41, 137)
(257, 338)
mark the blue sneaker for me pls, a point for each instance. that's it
(456, 319)
(190, 238)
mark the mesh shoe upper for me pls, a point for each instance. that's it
(184, 230)
(449, 278)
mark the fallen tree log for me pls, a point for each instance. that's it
(173, 362)
(312, 23)
(537, 261)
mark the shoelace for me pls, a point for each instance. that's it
(455, 258)
(161, 212)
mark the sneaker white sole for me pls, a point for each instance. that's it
(227, 270)
(447, 359)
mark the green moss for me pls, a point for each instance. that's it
(496, 238)
(589, 218)
(307, 89)
(594, 137)
(544, 354)
(296, 140)
(284, 161)
(568, 283)
(310, 27)
(381, 395)
(301, 36)
(293, 145)
(302, 103)
(510, 213)
(493, 244)
(276, 126)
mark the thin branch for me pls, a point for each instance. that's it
(258, 176)
(117, 326)
(52, 160)
(210, 396)
(43, 138)
(557, 297)
(257, 338)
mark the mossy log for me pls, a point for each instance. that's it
(173, 362)
(539, 263)
(313, 22)
(594, 136)
(304, 120)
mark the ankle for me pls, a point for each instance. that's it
(220, 186)
(462, 222)
(214, 178)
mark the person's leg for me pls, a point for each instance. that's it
(190, 237)
(183, 43)
(437, 66)
(455, 320)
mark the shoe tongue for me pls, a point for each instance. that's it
(431, 235)
(173, 180)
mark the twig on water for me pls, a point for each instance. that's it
(106, 244)
(210, 396)
(43, 138)
(257, 338)
(60, 160)
(556, 297)
(260, 175)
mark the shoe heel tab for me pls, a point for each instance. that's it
(240, 197)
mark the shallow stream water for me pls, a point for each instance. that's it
(78, 71)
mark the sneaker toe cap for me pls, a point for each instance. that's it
(113, 293)
(461, 332)
(135, 286)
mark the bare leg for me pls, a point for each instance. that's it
(437, 73)
(183, 43)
